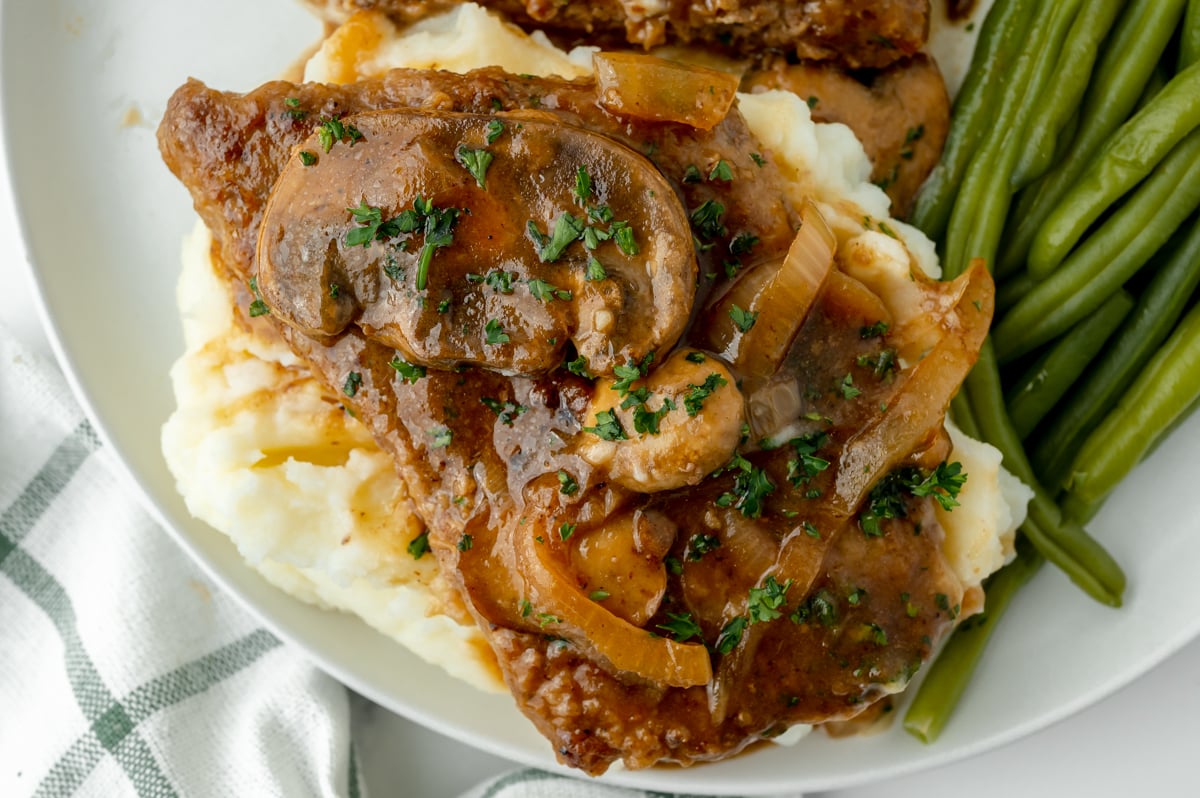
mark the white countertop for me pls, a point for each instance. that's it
(1139, 741)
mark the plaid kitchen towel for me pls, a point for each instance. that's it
(123, 669)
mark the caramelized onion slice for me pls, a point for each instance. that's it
(754, 323)
(569, 613)
(645, 87)
(920, 404)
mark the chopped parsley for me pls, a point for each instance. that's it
(883, 365)
(722, 171)
(373, 226)
(731, 635)
(294, 110)
(599, 595)
(494, 334)
(476, 162)
(352, 384)
(693, 400)
(820, 606)
(707, 219)
(875, 330)
(622, 233)
(578, 367)
(494, 129)
(743, 319)
(742, 243)
(506, 412)
(498, 280)
(751, 486)
(886, 499)
(408, 372)
(332, 130)
(595, 271)
(848, 388)
(439, 232)
(764, 602)
(759, 161)
(695, 357)
(806, 464)
(680, 626)
(943, 484)
(567, 484)
(699, 545)
(308, 157)
(646, 421)
(630, 373)
(257, 307)
(583, 186)
(419, 545)
(465, 542)
(692, 174)
(545, 292)
(566, 530)
(567, 229)
(608, 427)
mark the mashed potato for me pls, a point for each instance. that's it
(266, 455)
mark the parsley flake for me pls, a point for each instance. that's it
(693, 400)
(442, 436)
(608, 427)
(567, 484)
(765, 601)
(731, 635)
(408, 372)
(352, 384)
(476, 162)
(567, 229)
(722, 171)
(419, 545)
(494, 334)
(494, 129)
(680, 626)
(743, 319)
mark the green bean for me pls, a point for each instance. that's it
(1045, 383)
(1168, 386)
(999, 39)
(1130, 155)
(1009, 292)
(964, 419)
(1130, 55)
(1059, 102)
(1159, 307)
(1068, 546)
(977, 221)
(1189, 39)
(1109, 257)
(943, 685)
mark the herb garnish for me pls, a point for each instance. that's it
(419, 545)
(332, 130)
(765, 601)
(408, 372)
(681, 626)
(476, 162)
(693, 400)
(751, 487)
(608, 427)
(494, 334)
(352, 384)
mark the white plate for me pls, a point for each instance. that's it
(84, 84)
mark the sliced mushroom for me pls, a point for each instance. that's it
(669, 430)
(489, 240)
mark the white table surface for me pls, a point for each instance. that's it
(1144, 740)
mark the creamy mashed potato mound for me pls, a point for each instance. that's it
(264, 453)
